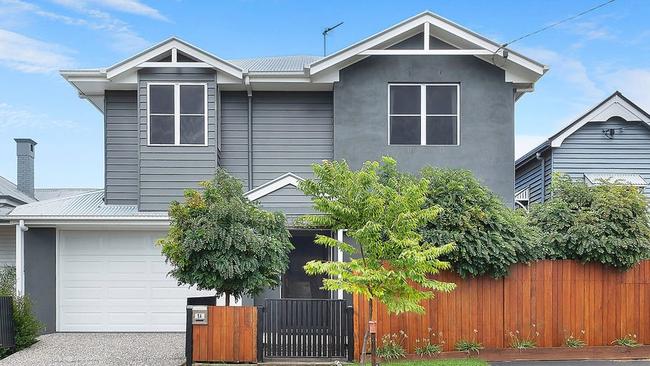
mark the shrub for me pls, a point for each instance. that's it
(575, 342)
(606, 223)
(489, 237)
(27, 326)
(426, 347)
(627, 341)
(519, 342)
(464, 345)
(392, 346)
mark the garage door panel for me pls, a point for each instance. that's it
(117, 281)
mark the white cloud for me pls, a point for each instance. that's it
(525, 143)
(125, 6)
(124, 38)
(26, 54)
(568, 68)
(12, 117)
(633, 83)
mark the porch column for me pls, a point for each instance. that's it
(20, 257)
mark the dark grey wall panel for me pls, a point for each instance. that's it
(40, 274)
(588, 151)
(486, 119)
(234, 135)
(121, 147)
(166, 171)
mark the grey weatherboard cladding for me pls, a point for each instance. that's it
(166, 171)
(530, 176)
(121, 147)
(588, 151)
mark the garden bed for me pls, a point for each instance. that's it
(552, 354)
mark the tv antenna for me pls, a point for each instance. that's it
(325, 32)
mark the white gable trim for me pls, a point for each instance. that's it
(615, 106)
(172, 44)
(273, 185)
(430, 23)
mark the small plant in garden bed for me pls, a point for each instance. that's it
(468, 346)
(518, 342)
(426, 347)
(575, 342)
(392, 347)
(627, 341)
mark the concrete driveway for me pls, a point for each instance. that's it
(80, 349)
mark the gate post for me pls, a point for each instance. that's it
(349, 312)
(260, 334)
(188, 336)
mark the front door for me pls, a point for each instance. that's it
(296, 284)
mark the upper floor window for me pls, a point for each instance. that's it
(177, 114)
(423, 114)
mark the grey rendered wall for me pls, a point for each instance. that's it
(121, 144)
(40, 274)
(530, 176)
(486, 122)
(234, 135)
(166, 171)
(7, 245)
(588, 151)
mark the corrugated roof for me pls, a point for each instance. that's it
(43, 194)
(275, 64)
(617, 178)
(7, 188)
(89, 204)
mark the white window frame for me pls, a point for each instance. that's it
(177, 114)
(423, 113)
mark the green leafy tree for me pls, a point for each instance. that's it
(605, 223)
(381, 211)
(219, 240)
(489, 236)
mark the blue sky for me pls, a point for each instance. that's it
(590, 58)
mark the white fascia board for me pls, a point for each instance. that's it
(168, 45)
(452, 52)
(273, 185)
(614, 107)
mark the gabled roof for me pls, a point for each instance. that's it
(519, 68)
(287, 179)
(616, 105)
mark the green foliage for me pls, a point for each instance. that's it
(465, 362)
(606, 223)
(219, 240)
(27, 326)
(628, 340)
(382, 211)
(518, 342)
(489, 237)
(392, 346)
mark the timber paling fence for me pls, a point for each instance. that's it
(546, 301)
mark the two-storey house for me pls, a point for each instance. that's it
(425, 91)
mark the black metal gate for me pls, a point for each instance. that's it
(307, 328)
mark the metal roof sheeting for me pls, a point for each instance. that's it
(275, 64)
(617, 178)
(10, 190)
(90, 204)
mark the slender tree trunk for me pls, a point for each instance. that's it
(365, 336)
(227, 299)
(373, 342)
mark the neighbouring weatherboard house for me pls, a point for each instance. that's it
(610, 142)
(425, 91)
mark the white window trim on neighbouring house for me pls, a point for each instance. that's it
(177, 113)
(423, 113)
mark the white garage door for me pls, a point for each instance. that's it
(117, 281)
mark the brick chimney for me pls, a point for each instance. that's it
(25, 166)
